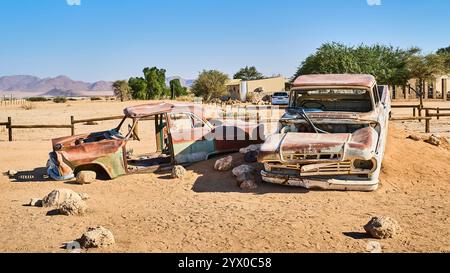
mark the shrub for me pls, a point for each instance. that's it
(37, 99)
(96, 98)
(27, 106)
(60, 100)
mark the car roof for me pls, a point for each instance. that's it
(151, 109)
(315, 80)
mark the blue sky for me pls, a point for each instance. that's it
(115, 39)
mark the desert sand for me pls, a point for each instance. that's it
(207, 212)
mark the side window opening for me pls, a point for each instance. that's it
(197, 122)
(376, 95)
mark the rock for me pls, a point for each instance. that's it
(224, 164)
(244, 176)
(248, 185)
(58, 196)
(382, 227)
(178, 171)
(254, 147)
(242, 169)
(251, 156)
(97, 237)
(415, 137)
(374, 247)
(84, 196)
(86, 177)
(434, 140)
(35, 202)
(11, 173)
(73, 207)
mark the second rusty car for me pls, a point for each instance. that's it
(183, 135)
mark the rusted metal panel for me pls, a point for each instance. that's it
(107, 149)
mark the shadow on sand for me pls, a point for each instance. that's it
(357, 235)
(36, 175)
(211, 180)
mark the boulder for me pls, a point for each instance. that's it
(374, 247)
(248, 185)
(58, 196)
(86, 177)
(97, 237)
(244, 176)
(415, 137)
(224, 164)
(254, 148)
(11, 173)
(434, 140)
(382, 227)
(238, 171)
(73, 207)
(35, 202)
(178, 171)
(251, 156)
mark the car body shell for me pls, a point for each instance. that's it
(335, 161)
(106, 151)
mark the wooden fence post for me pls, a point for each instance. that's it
(427, 121)
(420, 112)
(10, 137)
(437, 112)
(414, 111)
(72, 124)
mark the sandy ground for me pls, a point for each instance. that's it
(207, 212)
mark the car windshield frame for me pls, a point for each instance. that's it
(295, 92)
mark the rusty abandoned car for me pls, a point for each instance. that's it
(182, 132)
(332, 136)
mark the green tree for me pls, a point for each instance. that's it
(248, 74)
(425, 68)
(443, 50)
(445, 54)
(156, 82)
(387, 64)
(330, 58)
(176, 90)
(210, 84)
(122, 90)
(138, 87)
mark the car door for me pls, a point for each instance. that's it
(191, 138)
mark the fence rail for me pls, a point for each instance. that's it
(10, 100)
(427, 117)
(73, 121)
(430, 113)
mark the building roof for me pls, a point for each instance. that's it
(334, 80)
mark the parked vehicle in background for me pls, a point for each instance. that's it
(332, 136)
(183, 135)
(280, 98)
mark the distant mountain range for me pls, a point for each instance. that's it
(60, 85)
(28, 83)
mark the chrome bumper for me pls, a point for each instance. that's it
(369, 184)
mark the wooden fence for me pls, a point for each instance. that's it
(11, 101)
(429, 115)
(235, 113)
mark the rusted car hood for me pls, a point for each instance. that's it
(361, 144)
